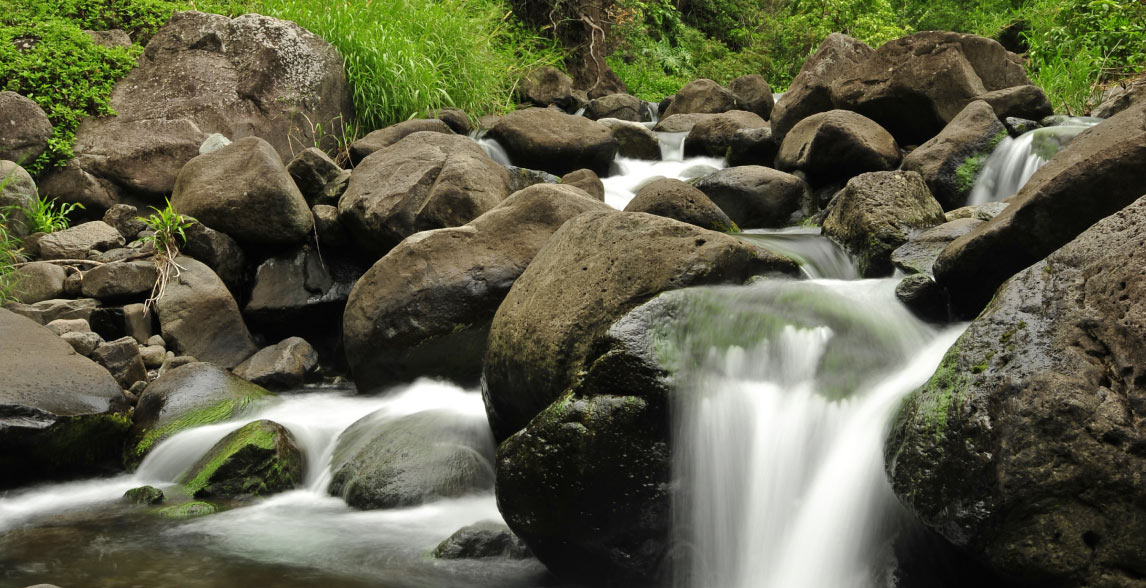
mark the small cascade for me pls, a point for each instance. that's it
(630, 175)
(491, 147)
(1015, 160)
(819, 257)
(580, 111)
(672, 145)
(779, 440)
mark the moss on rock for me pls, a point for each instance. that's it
(259, 458)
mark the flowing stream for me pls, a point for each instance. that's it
(1015, 160)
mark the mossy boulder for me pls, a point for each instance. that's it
(61, 414)
(481, 540)
(1027, 447)
(145, 495)
(188, 396)
(950, 162)
(259, 458)
(188, 510)
(387, 462)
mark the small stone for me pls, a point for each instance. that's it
(212, 143)
(61, 326)
(153, 356)
(137, 323)
(175, 361)
(156, 340)
(85, 343)
(125, 219)
(138, 388)
(145, 495)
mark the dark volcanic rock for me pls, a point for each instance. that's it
(837, 145)
(680, 201)
(753, 94)
(755, 196)
(26, 129)
(811, 90)
(481, 540)
(259, 458)
(555, 142)
(951, 161)
(701, 97)
(383, 138)
(199, 317)
(713, 135)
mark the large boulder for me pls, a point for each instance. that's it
(672, 198)
(299, 285)
(26, 129)
(811, 91)
(387, 462)
(633, 139)
(950, 162)
(425, 308)
(1097, 174)
(188, 396)
(713, 136)
(199, 317)
(37, 281)
(77, 241)
(539, 138)
(383, 138)
(753, 147)
(701, 96)
(245, 191)
(425, 181)
(876, 213)
(17, 193)
(619, 106)
(1027, 447)
(268, 78)
(753, 94)
(915, 85)
(755, 196)
(61, 415)
(837, 145)
(259, 458)
(595, 268)
(282, 366)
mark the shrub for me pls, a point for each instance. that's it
(168, 234)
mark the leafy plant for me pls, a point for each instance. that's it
(168, 234)
(48, 216)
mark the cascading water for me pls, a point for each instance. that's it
(491, 147)
(1015, 160)
(779, 441)
(818, 257)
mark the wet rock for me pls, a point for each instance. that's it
(61, 415)
(38, 281)
(1027, 101)
(923, 296)
(633, 139)
(680, 123)
(188, 396)
(198, 316)
(387, 462)
(712, 136)
(121, 358)
(245, 191)
(558, 143)
(678, 200)
(26, 129)
(983, 212)
(425, 181)
(837, 145)
(424, 308)
(383, 138)
(1114, 100)
(918, 254)
(1033, 418)
(282, 366)
(1017, 126)
(752, 147)
(951, 161)
(701, 96)
(120, 280)
(1097, 175)
(299, 285)
(145, 495)
(810, 92)
(587, 181)
(76, 242)
(596, 267)
(482, 540)
(754, 196)
(258, 459)
(218, 251)
(876, 213)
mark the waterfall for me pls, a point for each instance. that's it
(818, 257)
(778, 445)
(1015, 160)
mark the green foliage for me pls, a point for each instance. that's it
(10, 252)
(48, 216)
(167, 228)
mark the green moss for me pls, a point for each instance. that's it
(934, 400)
(145, 495)
(188, 510)
(1005, 338)
(84, 440)
(217, 413)
(251, 435)
(968, 171)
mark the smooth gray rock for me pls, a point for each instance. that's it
(24, 129)
(38, 281)
(199, 317)
(77, 241)
(282, 366)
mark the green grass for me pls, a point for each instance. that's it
(10, 249)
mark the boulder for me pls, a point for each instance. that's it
(120, 280)
(701, 96)
(258, 459)
(586, 181)
(121, 358)
(754, 196)
(386, 462)
(633, 139)
(192, 395)
(425, 308)
(282, 366)
(558, 143)
(70, 183)
(1114, 100)
(153, 356)
(76, 242)
(218, 251)
(50, 310)
(26, 129)
(1027, 446)
(312, 169)
(270, 77)
(145, 495)
(17, 194)
(332, 234)
(811, 91)
(383, 138)
(595, 268)
(62, 326)
(712, 136)
(482, 540)
(61, 415)
(950, 162)
(298, 285)
(425, 181)
(680, 123)
(1096, 175)
(753, 94)
(915, 85)
(619, 106)
(547, 85)
(85, 343)
(455, 118)
(37, 281)
(837, 145)
(678, 200)
(213, 143)
(125, 219)
(917, 255)
(1027, 101)
(244, 191)
(923, 297)
(752, 147)
(199, 317)
(876, 213)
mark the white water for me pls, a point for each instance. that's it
(818, 257)
(1015, 160)
(785, 485)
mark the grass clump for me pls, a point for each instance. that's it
(167, 234)
(48, 216)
